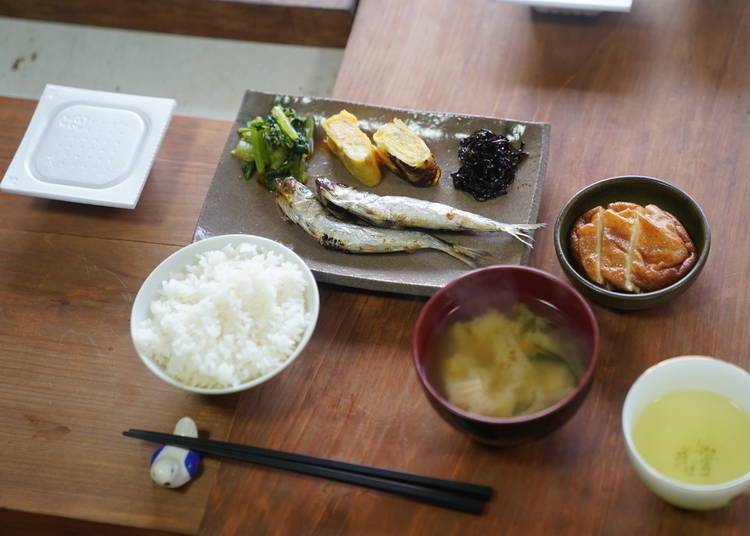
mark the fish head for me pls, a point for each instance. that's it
(291, 189)
(335, 188)
(296, 200)
(325, 184)
(330, 191)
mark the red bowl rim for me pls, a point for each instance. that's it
(582, 384)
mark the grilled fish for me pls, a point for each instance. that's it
(399, 212)
(300, 205)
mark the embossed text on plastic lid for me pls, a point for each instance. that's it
(89, 146)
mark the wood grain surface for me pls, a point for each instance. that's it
(170, 203)
(15, 523)
(70, 380)
(661, 91)
(295, 22)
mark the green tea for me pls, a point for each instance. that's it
(695, 436)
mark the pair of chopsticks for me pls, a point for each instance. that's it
(452, 494)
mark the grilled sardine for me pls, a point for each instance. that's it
(399, 212)
(300, 205)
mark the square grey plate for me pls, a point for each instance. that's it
(234, 205)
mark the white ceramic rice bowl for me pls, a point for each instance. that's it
(685, 372)
(187, 255)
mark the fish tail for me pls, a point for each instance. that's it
(520, 231)
(529, 226)
(465, 254)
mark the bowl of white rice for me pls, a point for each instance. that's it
(224, 314)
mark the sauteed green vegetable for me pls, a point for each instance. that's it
(275, 146)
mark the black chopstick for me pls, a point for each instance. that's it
(447, 493)
(462, 488)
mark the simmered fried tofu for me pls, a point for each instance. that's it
(632, 248)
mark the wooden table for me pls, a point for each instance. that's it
(662, 91)
(324, 23)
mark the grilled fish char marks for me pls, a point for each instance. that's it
(406, 212)
(301, 206)
(331, 242)
(632, 248)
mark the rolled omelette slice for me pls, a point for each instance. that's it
(406, 154)
(353, 147)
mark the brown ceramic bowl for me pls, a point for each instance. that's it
(501, 287)
(641, 190)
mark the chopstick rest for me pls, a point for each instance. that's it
(172, 466)
(461, 496)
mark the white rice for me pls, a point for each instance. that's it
(233, 315)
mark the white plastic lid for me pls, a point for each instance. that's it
(89, 146)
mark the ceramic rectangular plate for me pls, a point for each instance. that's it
(234, 205)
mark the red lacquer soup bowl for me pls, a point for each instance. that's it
(501, 287)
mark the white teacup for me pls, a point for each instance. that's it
(687, 372)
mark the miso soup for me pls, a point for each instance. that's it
(508, 363)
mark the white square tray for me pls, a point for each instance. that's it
(89, 146)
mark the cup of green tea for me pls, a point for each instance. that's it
(686, 422)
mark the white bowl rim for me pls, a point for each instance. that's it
(233, 239)
(661, 477)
